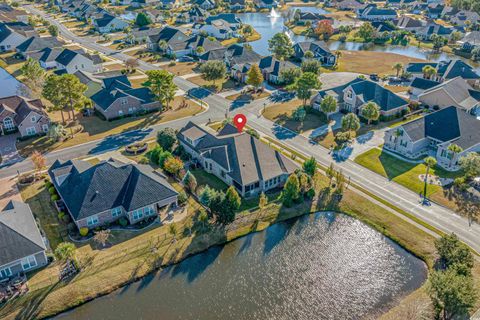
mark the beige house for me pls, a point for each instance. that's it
(28, 117)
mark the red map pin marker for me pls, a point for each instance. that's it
(239, 121)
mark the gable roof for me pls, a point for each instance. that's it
(416, 67)
(472, 37)
(456, 68)
(457, 89)
(245, 158)
(449, 124)
(39, 43)
(228, 17)
(422, 83)
(316, 47)
(169, 35)
(8, 28)
(274, 66)
(238, 54)
(90, 189)
(19, 233)
(369, 91)
(19, 108)
(105, 20)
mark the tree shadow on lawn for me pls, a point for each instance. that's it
(120, 140)
(394, 167)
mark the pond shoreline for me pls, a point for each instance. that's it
(260, 229)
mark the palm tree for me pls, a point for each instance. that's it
(429, 163)
(454, 148)
(397, 67)
(429, 72)
(338, 54)
(398, 133)
(163, 45)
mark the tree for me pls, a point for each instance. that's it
(311, 65)
(101, 237)
(305, 84)
(371, 111)
(454, 149)
(200, 50)
(166, 138)
(429, 162)
(366, 31)
(429, 71)
(161, 84)
(38, 160)
(290, 75)
(299, 114)
(262, 201)
(308, 55)
(438, 41)
(142, 20)
(53, 30)
(172, 229)
(453, 254)
(162, 45)
(51, 92)
(56, 132)
(213, 70)
(328, 105)
(330, 173)
(291, 190)
(190, 182)
(173, 165)
(131, 64)
(350, 122)
(203, 218)
(470, 164)
(247, 29)
(324, 29)
(310, 166)
(33, 74)
(281, 46)
(254, 76)
(66, 90)
(206, 195)
(452, 295)
(65, 251)
(397, 67)
(232, 199)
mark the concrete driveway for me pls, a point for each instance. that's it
(8, 149)
(8, 191)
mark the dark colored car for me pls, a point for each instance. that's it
(374, 77)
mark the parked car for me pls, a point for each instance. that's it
(374, 77)
(185, 59)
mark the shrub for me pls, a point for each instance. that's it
(54, 198)
(83, 232)
(123, 221)
(48, 184)
(60, 215)
(66, 218)
(182, 197)
(51, 190)
(310, 194)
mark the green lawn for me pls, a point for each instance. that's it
(205, 178)
(402, 172)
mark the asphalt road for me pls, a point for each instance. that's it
(436, 215)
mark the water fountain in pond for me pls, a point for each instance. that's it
(274, 14)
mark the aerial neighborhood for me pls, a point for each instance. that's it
(257, 141)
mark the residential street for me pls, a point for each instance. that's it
(438, 216)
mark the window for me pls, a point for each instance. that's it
(120, 112)
(8, 124)
(7, 272)
(137, 214)
(93, 220)
(349, 94)
(116, 211)
(31, 131)
(443, 153)
(45, 128)
(148, 211)
(130, 110)
(123, 101)
(34, 118)
(29, 263)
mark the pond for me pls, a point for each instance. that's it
(270, 24)
(318, 266)
(10, 86)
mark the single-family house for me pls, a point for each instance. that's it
(383, 26)
(374, 13)
(419, 85)
(97, 195)
(431, 28)
(272, 68)
(237, 4)
(108, 23)
(194, 15)
(238, 159)
(302, 18)
(166, 37)
(47, 56)
(351, 5)
(446, 70)
(398, 4)
(140, 35)
(26, 116)
(434, 11)
(93, 83)
(239, 60)
(205, 4)
(318, 48)
(265, 4)
(219, 29)
(434, 133)
(14, 33)
(23, 246)
(71, 61)
(10, 14)
(33, 46)
(454, 92)
(410, 24)
(464, 18)
(470, 41)
(156, 15)
(354, 95)
(118, 99)
(214, 54)
(231, 18)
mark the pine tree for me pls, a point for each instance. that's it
(255, 77)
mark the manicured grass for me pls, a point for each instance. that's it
(397, 88)
(281, 114)
(38, 198)
(253, 37)
(248, 96)
(181, 68)
(96, 128)
(218, 85)
(402, 172)
(204, 178)
(368, 62)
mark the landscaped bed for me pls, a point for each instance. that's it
(248, 96)
(96, 128)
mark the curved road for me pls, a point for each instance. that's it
(436, 215)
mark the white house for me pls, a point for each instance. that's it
(109, 23)
(14, 33)
(73, 61)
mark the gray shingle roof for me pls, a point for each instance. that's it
(368, 91)
(424, 84)
(91, 189)
(39, 43)
(246, 158)
(19, 233)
